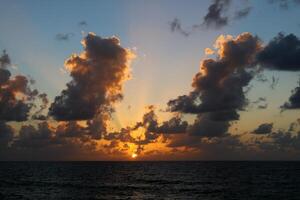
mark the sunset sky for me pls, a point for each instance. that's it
(150, 80)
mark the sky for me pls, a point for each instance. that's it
(150, 80)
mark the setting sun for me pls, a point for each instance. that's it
(134, 155)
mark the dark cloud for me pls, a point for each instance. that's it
(82, 23)
(204, 126)
(228, 147)
(4, 60)
(292, 126)
(16, 95)
(6, 135)
(265, 106)
(43, 105)
(281, 53)
(218, 15)
(175, 26)
(242, 13)
(151, 130)
(294, 100)
(265, 128)
(172, 126)
(285, 4)
(260, 100)
(34, 138)
(64, 36)
(215, 15)
(97, 75)
(281, 143)
(218, 87)
(67, 141)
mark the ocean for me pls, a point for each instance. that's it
(150, 180)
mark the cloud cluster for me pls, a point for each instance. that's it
(82, 111)
(283, 53)
(16, 94)
(98, 74)
(150, 128)
(218, 88)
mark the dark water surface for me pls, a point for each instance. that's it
(150, 180)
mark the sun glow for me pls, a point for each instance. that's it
(134, 155)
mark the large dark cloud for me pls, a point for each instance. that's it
(205, 126)
(218, 88)
(281, 53)
(97, 75)
(264, 128)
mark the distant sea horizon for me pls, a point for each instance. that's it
(209, 180)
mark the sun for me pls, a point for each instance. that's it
(134, 155)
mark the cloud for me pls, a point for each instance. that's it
(175, 26)
(82, 23)
(204, 126)
(67, 141)
(294, 100)
(4, 60)
(281, 53)
(265, 128)
(242, 13)
(64, 36)
(98, 74)
(33, 138)
(16, 95)
(215, 15)
(43, 105)
(218, 15)
(175, 125)
(6, 134)
(218, 88)
(261, 103)
(285, 4)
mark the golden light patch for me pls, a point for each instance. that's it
(209, 51)
(134, 155)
